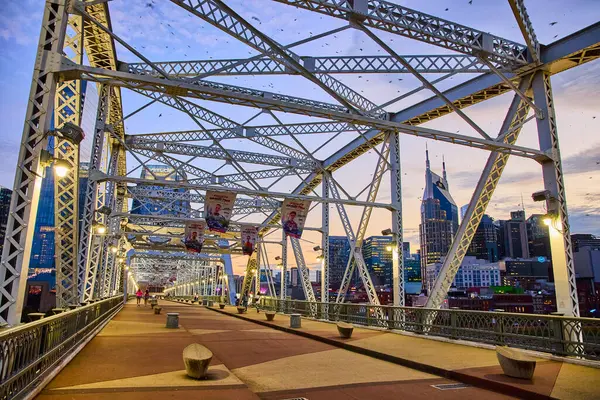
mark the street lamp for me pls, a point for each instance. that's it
(61, 168)
(113, 249)
(99, 228)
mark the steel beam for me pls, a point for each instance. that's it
(229, 155)
(26, 190)
(416, 25)
(68, 107)
(520, 12)
(397, 234)
(275, 102)
(433, 64)
(304, 274)
(325, 240)
(560, 233)
(100, 176)
(85, 265)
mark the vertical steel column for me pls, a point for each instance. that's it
(228, 272)
(125, 280)
(104, 265)
(258, 269)
(560, 234)
(283, 283)
(396, 192)
(325, 241)
(86, 273)
(26, 190)
(68, 107)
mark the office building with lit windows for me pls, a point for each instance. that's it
(472, 273)
(339, 253)
(485, 241)
(377, 253)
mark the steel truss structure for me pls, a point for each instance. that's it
(77, 42)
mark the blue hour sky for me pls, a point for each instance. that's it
(163, 31)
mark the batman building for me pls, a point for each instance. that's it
(439, 218)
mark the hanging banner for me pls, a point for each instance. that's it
(293, 215)
(194, 236)
(218, 207)
(249, 236)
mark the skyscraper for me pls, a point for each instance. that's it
(439, 218)
(538, 236)
(42, 246)
(5, 196)
(515, 236)
(379, 259)
(339, 253)
(149, 207)
(484, 245)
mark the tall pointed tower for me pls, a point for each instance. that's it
(439, 219)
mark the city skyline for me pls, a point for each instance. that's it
(574, 90)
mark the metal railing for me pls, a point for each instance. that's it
(216, 299)
(563, 336)
(30, 352)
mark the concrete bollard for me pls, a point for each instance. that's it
(222, 306)
(196, 359)
(515, 363)
(345, 330)
(270, 315)
(36, 316)
(295, 321)
(157, 310)
(173, 320)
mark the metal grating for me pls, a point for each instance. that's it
(451, 386)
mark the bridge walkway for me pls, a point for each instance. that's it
(136, 357)
(467, 362)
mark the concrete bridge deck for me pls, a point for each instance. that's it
(136, 357)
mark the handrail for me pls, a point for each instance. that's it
(30, 352)
(216, 299)
(559, 335)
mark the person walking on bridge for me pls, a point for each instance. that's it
(146, 297)
(138, 296)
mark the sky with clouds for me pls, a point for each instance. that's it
(163, 31)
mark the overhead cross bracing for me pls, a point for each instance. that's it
(270, 141)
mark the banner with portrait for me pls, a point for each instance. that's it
(249, 237)
(218, 207)
(293, 216)
(194, 236)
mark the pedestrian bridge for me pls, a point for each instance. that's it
(121, 351)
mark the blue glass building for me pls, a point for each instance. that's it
(439, 218)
